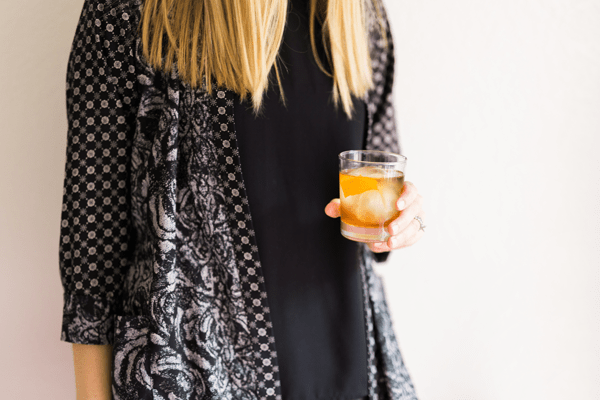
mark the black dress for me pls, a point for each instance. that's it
(312, 274)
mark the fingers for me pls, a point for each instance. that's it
(409, 236)
(408, 195)
(333, 208)
(407, 216)
(414, 239)
(378, 247)
(404, 230)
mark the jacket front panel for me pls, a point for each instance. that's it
(196, 278)
(165, 264)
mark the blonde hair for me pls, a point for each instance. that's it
(236, 43)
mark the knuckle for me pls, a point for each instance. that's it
(404, 236)
(403, 221)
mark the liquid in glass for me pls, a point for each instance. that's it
(368, 198)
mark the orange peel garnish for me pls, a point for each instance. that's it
(353, 185)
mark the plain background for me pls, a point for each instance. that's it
(498, 107)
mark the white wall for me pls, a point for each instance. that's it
(499, 110)
(35, 41)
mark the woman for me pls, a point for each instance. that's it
(185, 280)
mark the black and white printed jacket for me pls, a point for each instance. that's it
(158, 255)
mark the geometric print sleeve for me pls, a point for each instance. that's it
(94, 240)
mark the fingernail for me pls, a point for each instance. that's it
(393, 229)
(401, 205)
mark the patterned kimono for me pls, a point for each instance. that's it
(158, 254)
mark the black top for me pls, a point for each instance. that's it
(290, 167)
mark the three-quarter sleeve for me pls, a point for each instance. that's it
(95, 248)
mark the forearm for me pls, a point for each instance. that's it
(93, 371)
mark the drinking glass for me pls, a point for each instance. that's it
(370, 185)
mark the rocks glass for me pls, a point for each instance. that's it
(370, 185)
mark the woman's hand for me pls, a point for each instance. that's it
(404, 230)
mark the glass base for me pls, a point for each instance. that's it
(365, 235)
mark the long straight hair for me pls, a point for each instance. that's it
(236, 43)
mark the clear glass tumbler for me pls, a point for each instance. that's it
(370, 185)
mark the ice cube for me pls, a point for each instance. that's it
(389, 193)
(369, 171)
(369, 208)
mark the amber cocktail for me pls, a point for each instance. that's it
(370, 185)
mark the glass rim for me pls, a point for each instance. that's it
(343, 156)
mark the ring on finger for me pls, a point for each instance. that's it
(421, 223)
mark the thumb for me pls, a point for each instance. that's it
(333, 208)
